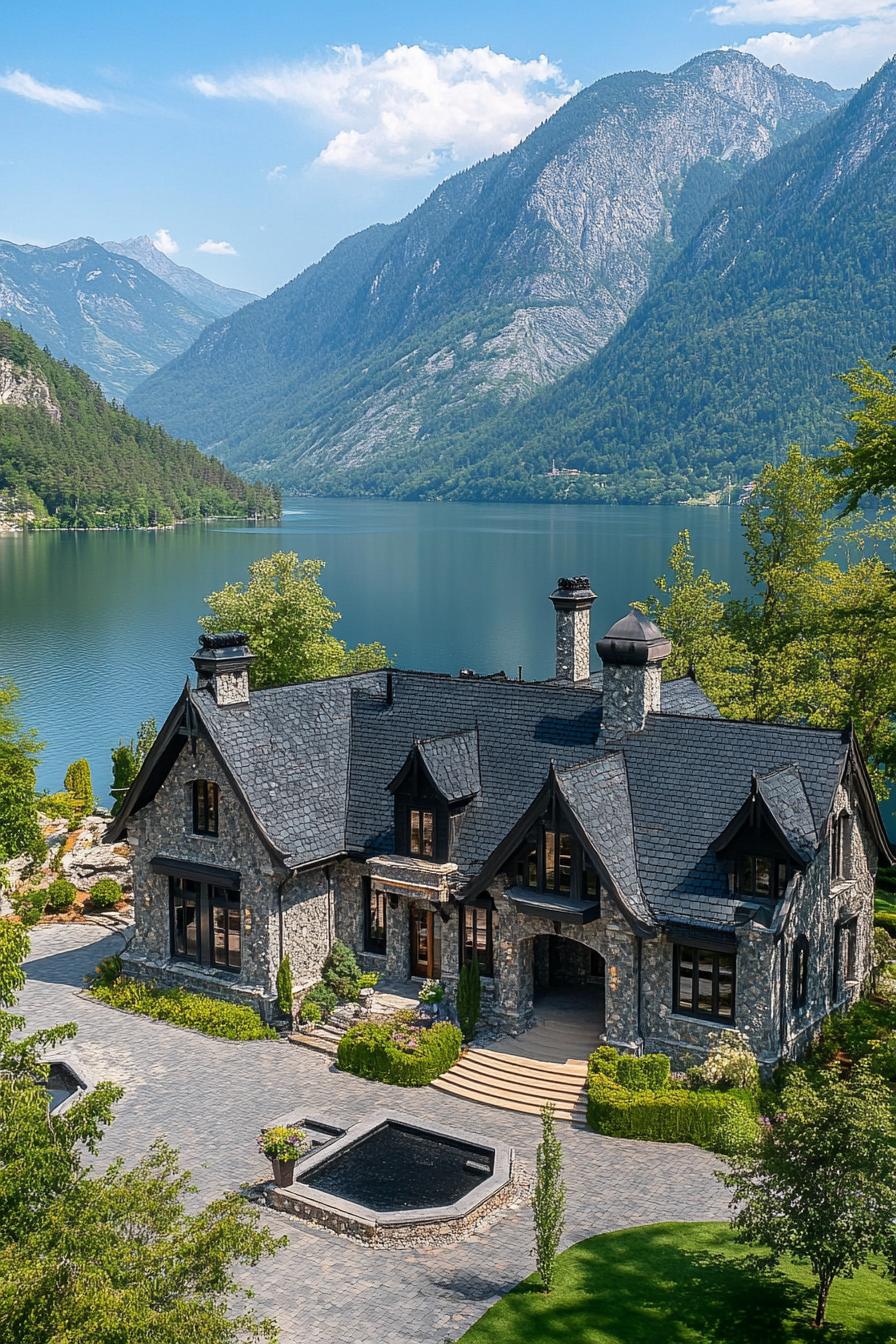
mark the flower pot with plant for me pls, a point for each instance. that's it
(284, 1145)
(432, 992)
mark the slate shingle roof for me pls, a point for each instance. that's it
(597, 794)
(453, 764)
(315, 761)
(785, 795)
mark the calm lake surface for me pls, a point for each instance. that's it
(97, 630)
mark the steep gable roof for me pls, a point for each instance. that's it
(451, 763)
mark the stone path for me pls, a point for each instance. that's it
(210, 1098)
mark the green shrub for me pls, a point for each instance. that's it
(59, 806)
(730, 1063)
(107, 971)
(213, 1017)
(60, 895)
(469, 998)
(643, 1073)
(341, 971)
(105, 894)
(284, 986)
(721, 1121)
(310, 1013)
(368, 980)
(396, 1053)
(885, 920)
(29, 906)
(323, 996)
(604, 1060)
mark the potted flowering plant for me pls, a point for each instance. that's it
(284, 1145)
(432, 992)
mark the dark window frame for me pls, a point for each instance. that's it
(374, 943)
(531, 865)
(799, 973)
(779, 874)
(840, 836)
(696, 953)
(417, 831)
(205, 797)
(476, 915)
(206, 898)
(851, 971)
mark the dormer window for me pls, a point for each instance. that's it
(421, 831)
(205, 807)
(552, 860)
(760, 875)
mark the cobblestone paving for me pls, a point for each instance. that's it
(210, 1098)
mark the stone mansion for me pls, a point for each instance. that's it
(606, 827)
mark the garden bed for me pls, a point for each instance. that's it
(200, 1012)
(398, 1052)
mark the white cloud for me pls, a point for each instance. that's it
(163, 241)
(844, 56)
(220, 249)
(798, 12)
(277, 173)
(410, 110)
(51, 95)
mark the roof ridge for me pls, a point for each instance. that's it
(841, 733)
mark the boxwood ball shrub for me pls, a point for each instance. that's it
(105, 894)
(310, 1013)
(213, 1017)
(60, 895)
(394, 1052)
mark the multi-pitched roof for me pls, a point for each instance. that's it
(314, 762)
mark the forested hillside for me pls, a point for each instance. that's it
(73, 458)
(510, 275)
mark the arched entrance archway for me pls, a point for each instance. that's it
(562, 982)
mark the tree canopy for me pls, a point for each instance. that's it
(20, 831)
(289, 620)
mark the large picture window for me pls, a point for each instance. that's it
(205, 807)
(185, 918)
(205, 923)
(476, 938)
(703, 983)
(374, 919)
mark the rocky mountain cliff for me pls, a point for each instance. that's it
(732, 355)
(101, 310)
(510, 275)
(216, 300)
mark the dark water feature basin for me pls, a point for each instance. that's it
(395, 1179)
(395, 1167)
(62, 1084)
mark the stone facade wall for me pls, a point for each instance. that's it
(164, 827)
(308, 902)
(629, 695)
(231, 688)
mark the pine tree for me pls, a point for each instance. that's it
(284, 986)
(79, 785)
(548, 1199)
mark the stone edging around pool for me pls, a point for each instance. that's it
(422, 1226)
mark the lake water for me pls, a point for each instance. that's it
(97, 630)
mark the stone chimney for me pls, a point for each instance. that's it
(573, 599)
(222, 667)
(632, 652)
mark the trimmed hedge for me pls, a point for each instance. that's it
(370, 1051)
(105, 894)
(637, 1073)
(213, 1017)
(720, 1121)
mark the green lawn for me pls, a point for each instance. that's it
(884, 902)
(683, 1283)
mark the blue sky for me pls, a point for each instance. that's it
(253, 138)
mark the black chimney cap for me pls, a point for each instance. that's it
(233, 639)
(573, 593)
(634, 639)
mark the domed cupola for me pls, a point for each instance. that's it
(632, 652)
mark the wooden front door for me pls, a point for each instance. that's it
(426, 944)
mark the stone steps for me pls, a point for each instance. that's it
(326, 1035)
(512, 1083)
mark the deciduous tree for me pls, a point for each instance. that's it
(821, 1184)
(20, 831)
(289, 620)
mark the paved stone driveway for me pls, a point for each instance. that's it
(209, 1098)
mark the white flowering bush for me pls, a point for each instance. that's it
(730, 1063)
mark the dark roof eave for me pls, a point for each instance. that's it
(855, 757)
(741, 818)
(131, 802)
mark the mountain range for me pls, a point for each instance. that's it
(117, 310)
(385, 367)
